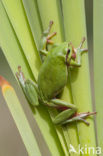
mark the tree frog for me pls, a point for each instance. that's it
(52, 78)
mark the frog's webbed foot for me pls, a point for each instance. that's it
(68, 112)
(80, 46)
(20, 76)
(49, 37)
(76, 53)
(46, 38)
(29, 87)
(79, 117)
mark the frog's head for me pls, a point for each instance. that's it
(73, 54)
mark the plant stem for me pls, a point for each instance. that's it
(75, 30)
(19, 118)
(14, 54)
(54, 13)
(98, 70)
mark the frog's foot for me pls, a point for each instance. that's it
(20, 76)
(49, 36)
(79, 50)
(68, 112)
(80, 46)
(76, 54)
(47, 31)
(29, 87)
(79, 117)
(46, 38)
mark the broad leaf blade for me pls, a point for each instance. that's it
(18, 20)
(54, 13)
(53, 112)
(19, 118)
(32, 14)
(15, 57)
(75, 30)
(98, 64)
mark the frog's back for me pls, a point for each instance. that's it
(52, 76)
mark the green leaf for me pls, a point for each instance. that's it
(19, 118)
(98, 63)
(15, 56)
(36, 28)
(75, 30)
(22, 30)
(54, 13)
(33, 16)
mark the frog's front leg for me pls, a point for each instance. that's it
(46, 39)
(29, 87)
(76, 55)
(68, 113)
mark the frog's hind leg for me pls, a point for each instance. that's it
(68, 113)
(29, 87)
(46, 39)
(79, 117)
(44, 52)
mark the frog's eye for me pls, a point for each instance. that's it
(68, 51)
(66, 59)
